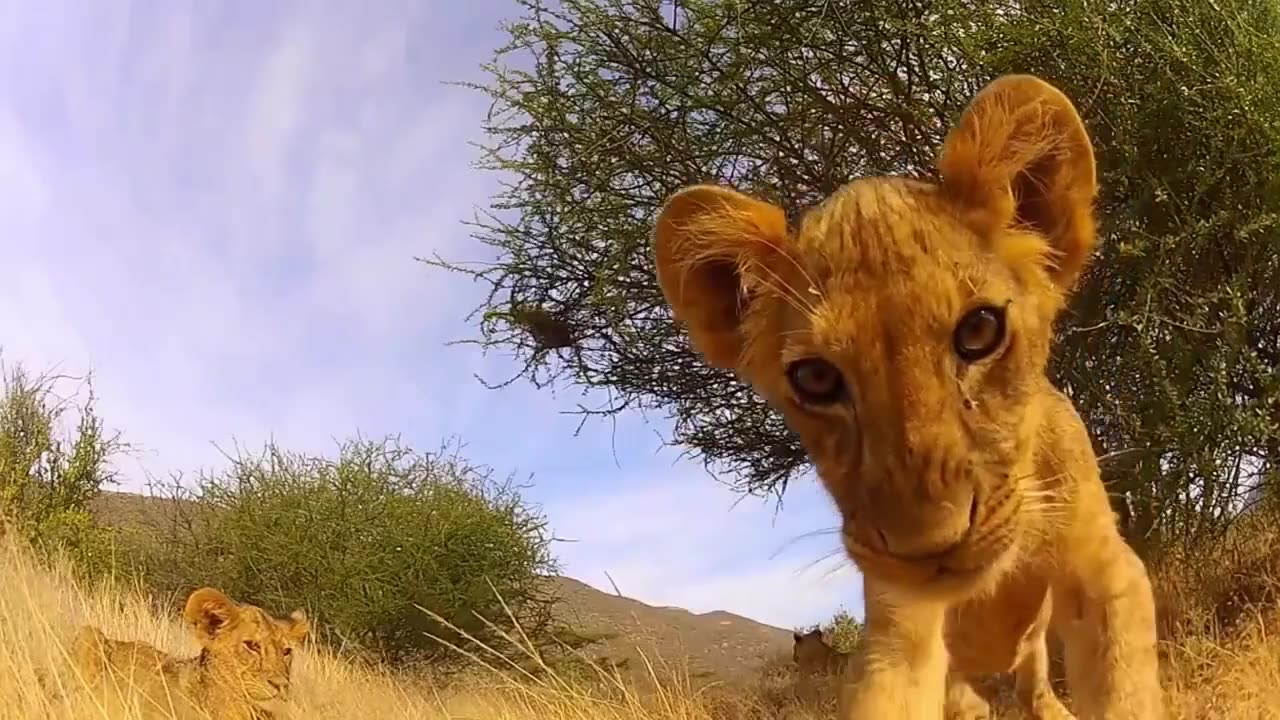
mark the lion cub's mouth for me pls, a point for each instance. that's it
(959, 572)
(270, 697)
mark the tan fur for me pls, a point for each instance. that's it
(229, 680)
(968, 488)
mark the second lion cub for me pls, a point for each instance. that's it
(243, 667)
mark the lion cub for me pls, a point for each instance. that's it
(902, 328)
(816, 662)
(242, 669)
(813, 656)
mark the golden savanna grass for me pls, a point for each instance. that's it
(1233, 676)
(40, 610)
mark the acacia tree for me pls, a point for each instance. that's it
(603, 108)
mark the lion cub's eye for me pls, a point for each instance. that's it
(979, 333)
(251, 645)
(816, 381)
(287, 651)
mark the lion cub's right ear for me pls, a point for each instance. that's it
(299, 626)
(709, 244)
(210, 612)
(1020, 157)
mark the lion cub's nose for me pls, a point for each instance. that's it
(912, 527)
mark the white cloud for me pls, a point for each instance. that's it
(27, 196)
(213, 292)
(277, 107)
(780, 596)
(680, 539)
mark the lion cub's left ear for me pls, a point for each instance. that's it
(210, 612)
(1020, 158)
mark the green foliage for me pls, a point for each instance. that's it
(49, 473)
(363, 542)
(844, 631)
(603, 108)
(1174, 342)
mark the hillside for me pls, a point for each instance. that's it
(715, 645)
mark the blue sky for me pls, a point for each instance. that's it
(214, 207)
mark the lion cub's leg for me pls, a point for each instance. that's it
(1031, 674)
(1105, 615)
(1035, 692)
(963, 702)
(901, 672)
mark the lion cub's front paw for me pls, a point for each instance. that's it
(873, 700)
(977, 711)
(1047, 706)
(964, 703)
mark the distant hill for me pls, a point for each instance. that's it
(716, 645)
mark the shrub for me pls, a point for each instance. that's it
(364, 541)
(49, 473)
(844, 630)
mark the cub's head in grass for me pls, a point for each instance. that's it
(245, 644)
(243, 669)
(812, 655)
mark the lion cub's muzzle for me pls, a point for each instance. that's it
(906, 535)
(269, 690)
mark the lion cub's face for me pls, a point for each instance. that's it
(245, 645)
(902, 328)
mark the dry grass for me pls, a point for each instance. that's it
(1227, 591)
(1236, 678)
(40, 610)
